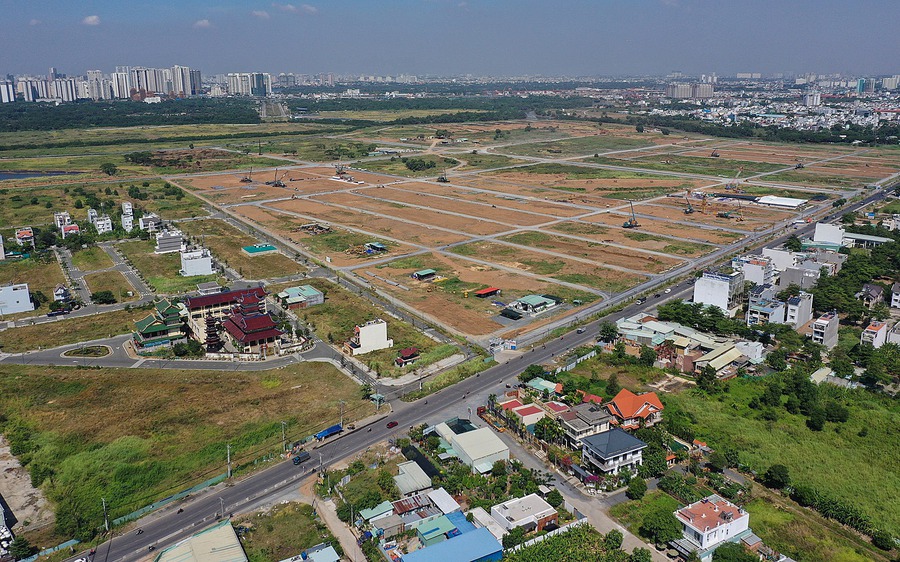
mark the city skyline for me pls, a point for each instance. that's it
(503, 38)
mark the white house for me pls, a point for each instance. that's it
(709, 523)
(611, 451)
(530, 512)
(479, 448)
(875, 334)
(2, 249)
(169, 241)
(127, 222)
(196, 262)
(103, 224)
(757, 269)
(829, 234)
(62, 219)
(150, 222)
(799, 310)
(720, 290)
(895, 293)
(15, 298)
(369, 337)
(825, 329)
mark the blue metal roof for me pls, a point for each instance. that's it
(477, 546)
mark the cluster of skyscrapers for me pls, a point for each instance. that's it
(126, 82)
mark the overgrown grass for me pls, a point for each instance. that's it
(577, 146)
(114, 282)
(283, 532)
(91, 259)
(225, 243)
(483, 161)
(585, 173)
(397, 167)
(161, 270)
(843, 460)
(171, 428)
(70, 330)
(42, 273)
(451, 377)
(633, 513)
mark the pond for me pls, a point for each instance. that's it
(23, 174)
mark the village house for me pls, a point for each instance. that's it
(632, 411)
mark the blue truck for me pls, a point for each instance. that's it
(328, 432)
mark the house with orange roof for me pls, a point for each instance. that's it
(631, 410)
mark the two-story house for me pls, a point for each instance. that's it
(631, 410)
(582, 421)
(709, 523)
(611, 451)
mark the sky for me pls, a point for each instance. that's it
(454, 37)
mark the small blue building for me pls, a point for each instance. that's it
(475, 546)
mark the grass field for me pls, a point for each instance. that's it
(585, 173)
(692, 165)
(283, 531)
(42, 274)
(161, 270)
(577, 146)
(395, 166)
(389, 115)
(225, 243)
(171, 428)
(334, 321)
(837, 460)
(483, 161)
(112, 281)
(69, 330)
(339, 241)
(91, 259)
(633, 513)
(87, 166)
(817, 179)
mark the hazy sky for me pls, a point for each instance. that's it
(499, 37)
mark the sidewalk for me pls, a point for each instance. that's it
(327, 511)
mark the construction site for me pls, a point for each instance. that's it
(580, 229)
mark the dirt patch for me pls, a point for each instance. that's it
(28, 504)
(719, 237)
(709, 217)
(500, 199)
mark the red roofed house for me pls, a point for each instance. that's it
(529, 414)
(252, 334)
(407, 355)
(510, 404)
(555, 408)
(221, 305)
(585, 397)
(630, 409)
(488, 292)
(69, 230)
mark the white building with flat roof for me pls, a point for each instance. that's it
(825, 329)
(724, 291)
(709, 523)
(875, 334)
(369, 337)
(169, 241)
(196, 262)
(103, 224)
(15, 299)
(530, 512)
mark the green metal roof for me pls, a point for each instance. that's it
(423, 272)
(536, 300)
(150, 321)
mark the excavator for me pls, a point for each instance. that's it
(690, 208)
(715, 154)
(443, 178)
(277, 182)
(632, 222)
(249, 177)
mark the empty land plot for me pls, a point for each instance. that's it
(446, 300)
(69, 330)
(195, 160)
(225, 242)
(112, 281)
(42, 273)
(712, 236)
(377, 226)
(823, 177)
(161, 270)
(83, 167)
(706, 166)
(91, 259)
(571, 271)
(774, 154)
(862, 170)
(171, 425)
(342, 310)
(247, 193)
(497, 198)
(602, 253)
(752, 211)
(492, 212)
(334, 244)
(483, 161)
(576, 146)
(754, 189)
(446, 220)
(409, 166)
(708, 218)
(233, 179)
(634, 239)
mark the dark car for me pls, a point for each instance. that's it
(302, 457)
(656, 296)
(59, 312)
(392, 424)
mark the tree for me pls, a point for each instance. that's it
(639, 128)
(20, 548)
(733, 552)
(613, 540)
(706, 379)
(817, 417)
(648, 356)
(777, 477)
(612, 385)
(636, 488)
(548, 429)
(514, 537)
(554, 498)
(881, 539)
(531, 372)
(793, 243)
(640, 555)
(607, 332)
(109, 168)
(661, 526)
(498, 469)
(79, 204)
(835, 412)
(103, 297)
(654, 462)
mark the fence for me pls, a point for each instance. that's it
(553, 533)
(156, 505)
(45, 552)
(577, 360)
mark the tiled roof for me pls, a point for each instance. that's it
(222, 298)
(627, 405)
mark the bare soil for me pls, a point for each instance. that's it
(663, 227)
(28, 504)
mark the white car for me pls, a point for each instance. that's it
(667, 291)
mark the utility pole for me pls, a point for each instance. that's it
(105, 516)
(283, 437)
(228, 450)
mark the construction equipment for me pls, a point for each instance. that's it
(703, 204)
(715, 154)
(724, 214)
(249, 177)
(799, 166)
(632, 222)
(277, 182)
(690, 208)
(443, 177)
(733, 184)
(740, 216)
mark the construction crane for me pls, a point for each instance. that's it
(632, 222)
(799, 166)
(733, 184)
(443, 177)
(249, 177)
(715, 153)
(703, 205)
(277, 181)
(690, 208)
(740, 216)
